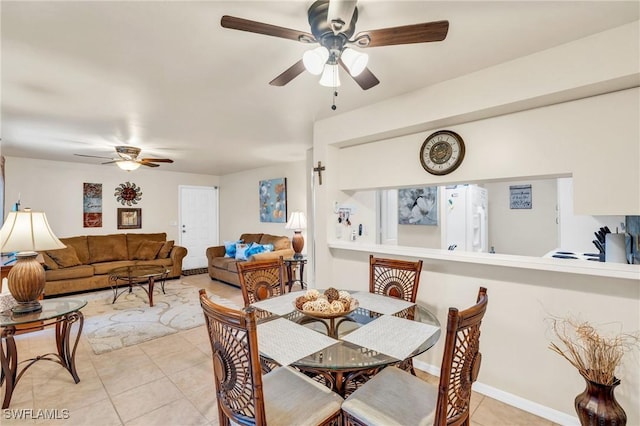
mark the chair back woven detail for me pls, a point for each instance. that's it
(236, 365)
(395, 278)
(460, 362)
(261, 280)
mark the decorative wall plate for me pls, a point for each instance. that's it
(128, 193)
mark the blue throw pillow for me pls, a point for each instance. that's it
(241, 251)
(230, 248)
(255, 248)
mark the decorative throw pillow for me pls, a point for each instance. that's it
(256, 248)
(241, 251)
(164, 252)
(65, 258)
(230, 248)
(49, 263)
(148, 250)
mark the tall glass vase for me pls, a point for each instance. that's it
(597, 406)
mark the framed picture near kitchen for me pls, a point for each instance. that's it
(130, 218)
(520, 197)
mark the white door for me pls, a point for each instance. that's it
(198, 223)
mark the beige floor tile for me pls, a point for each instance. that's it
(196, 378)
(204, 400)
(61, 394)
(128, 355)
(495, 413)
(122, 377)
(101, 413)
(170, 344)
(145, 399)
(180, 412)
(179, 361)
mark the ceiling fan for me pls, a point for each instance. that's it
(127, 158)
(332, 25)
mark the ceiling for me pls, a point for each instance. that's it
(80, 77)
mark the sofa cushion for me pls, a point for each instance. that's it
(148, 250)
(81, 245)
(65, 258)
(251, 238)
(279, 242)
(104, 268)
(80, 271)
(49, 263)
(223, 262)
(134, 240)
(104, 248)
(165, 251)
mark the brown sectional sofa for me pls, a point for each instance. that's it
(87, 260)
(225, 268)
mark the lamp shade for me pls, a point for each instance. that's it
(297, 221)
(315, 59)
(355, 61)
(128, 165)
(330, 77)
(27, 231)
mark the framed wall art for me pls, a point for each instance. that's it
(272, 194)
(418, 206)
(92, 205)
(129, 218)
(520, 197)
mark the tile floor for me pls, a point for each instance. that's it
(167, 381)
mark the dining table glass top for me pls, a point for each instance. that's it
(380, 331)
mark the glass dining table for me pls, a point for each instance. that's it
(344, 352)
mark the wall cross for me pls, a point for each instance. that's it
(319, 169)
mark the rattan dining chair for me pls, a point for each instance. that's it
(245, 396)
(395, 278)
(395, 397)
(261, 280)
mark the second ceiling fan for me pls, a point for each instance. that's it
(332, 25)
(128, 158)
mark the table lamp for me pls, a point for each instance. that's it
(297, 222)
(26, 232)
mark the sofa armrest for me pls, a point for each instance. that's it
(217, 251)
(270, 255)
(177, 254)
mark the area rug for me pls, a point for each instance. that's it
(130, 320)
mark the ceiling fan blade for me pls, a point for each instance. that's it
(92, 156)
(110, 162)
(156, 160)
(292, 72)
(366, 80)
(267, 29)
(144, 163)
(408, 34)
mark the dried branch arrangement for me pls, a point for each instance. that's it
(596, 357)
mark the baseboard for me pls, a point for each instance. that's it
(515, 401)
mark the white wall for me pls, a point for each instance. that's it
(239, 203)
(56, 188)
(525, 232)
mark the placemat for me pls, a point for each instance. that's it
(286, 342)
(393, 336)
(381, 304)
(279, 305)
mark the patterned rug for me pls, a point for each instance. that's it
(130, 320)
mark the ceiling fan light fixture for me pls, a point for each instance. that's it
(315, 59)
(330, 76)
(355, 61)
(128, 165)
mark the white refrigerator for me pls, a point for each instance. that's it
(466, 218)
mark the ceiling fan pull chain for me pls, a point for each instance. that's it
(335, 94)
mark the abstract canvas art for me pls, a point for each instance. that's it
(273, 200)
(92, 205)
(418, 206)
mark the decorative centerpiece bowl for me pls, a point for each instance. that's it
(331, 304)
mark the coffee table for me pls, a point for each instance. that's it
(138, 275)
(63, 313)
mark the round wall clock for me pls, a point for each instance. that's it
(128, 193)
(442, 152)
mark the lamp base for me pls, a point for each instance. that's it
(298, 243)
(26, 283)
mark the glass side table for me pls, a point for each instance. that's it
(295, 265)
(63, 313)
